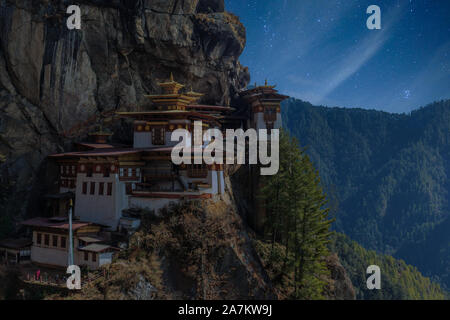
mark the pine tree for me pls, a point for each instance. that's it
(297, 218)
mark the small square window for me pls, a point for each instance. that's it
(55, 241)
(109, 192)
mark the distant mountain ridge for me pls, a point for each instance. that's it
(389, 174)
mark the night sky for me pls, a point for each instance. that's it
(321, 50)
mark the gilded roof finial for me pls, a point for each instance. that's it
(265, 83)
(171, 77)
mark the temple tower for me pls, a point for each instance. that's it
(264, 103)
(264, 110)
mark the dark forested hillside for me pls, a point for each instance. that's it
(399, 281)
(388, 174)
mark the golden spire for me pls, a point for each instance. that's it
(171, 77)
(194, 96)
(265, 83)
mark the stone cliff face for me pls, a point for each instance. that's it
(56, 83)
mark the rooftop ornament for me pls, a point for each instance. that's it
(100, 136)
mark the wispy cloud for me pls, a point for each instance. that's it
(353, 62)
(357, 58)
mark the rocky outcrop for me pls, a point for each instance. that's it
(56, 83)
(339, 285)
(143, 290)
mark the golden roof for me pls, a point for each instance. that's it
(171, 86)
(266, 85)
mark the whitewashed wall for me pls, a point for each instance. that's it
(97, 208)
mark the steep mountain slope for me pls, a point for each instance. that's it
(389, 174)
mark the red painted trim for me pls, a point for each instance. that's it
(171, 195)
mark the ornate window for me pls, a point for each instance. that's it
(158, 136)
(270, 114)
(198, 171)
(89, 170)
